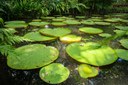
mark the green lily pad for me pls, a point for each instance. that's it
(102, 23)
(91, 30)
(88, 22)
(122, 27)
(113, 20)
(123, 54)
(106, 35)
(58, 19)
(32, 56)
(91, 53)
(16, 25)
(57, 32)
(58, 24)
(120, 32)
(36, 20)
(54, 73)
(38, 24)
(48, 18)
(70, 38)
(124, 43)
(72, 22)
(36, 36)
(87, 71)
(80, 17)
(15, 22)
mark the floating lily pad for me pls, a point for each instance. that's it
(102, 23)
(113, 20)
(106, 35)
(32, 56)
(70, 38)
(91, 53)
(58, 19)
(122, 27)
(36, 20)
(88, 22)
(54, 73)
(72, 22)
(122, 53)
(47, 18)
(15, 22)
(38, 24)
(120, 32)
(80, 17)
(57, 32)
(36, 36)
(124, 43)
(87, 71)
(16, 25)
(91, 30)
(58, 23)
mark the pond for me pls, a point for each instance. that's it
(112, 74)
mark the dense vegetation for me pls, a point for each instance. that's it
(23, 9)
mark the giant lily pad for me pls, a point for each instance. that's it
(58, 23)
(15, 22)
(36, 36)
(113, 20)
(120, 32)
(122, 53)
(70, 38)
(91, 53)
(122, 27)
(88, 22)
(72, 22)
(57, 32)
(47, 18)
(124, 43)
(91, 30)
(40, 24)
(87, 71)
(32, 56)
(102, 23)
(58, 19)
(106, 35)
(16, 25)
(54, 73)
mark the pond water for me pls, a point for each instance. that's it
(113, 74)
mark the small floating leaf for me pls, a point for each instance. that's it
(87, 71)
(91, 30)
(32, 56)
(54, 73)
(56, 32)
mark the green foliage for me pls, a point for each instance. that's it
(97, 5)
(7, 39)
